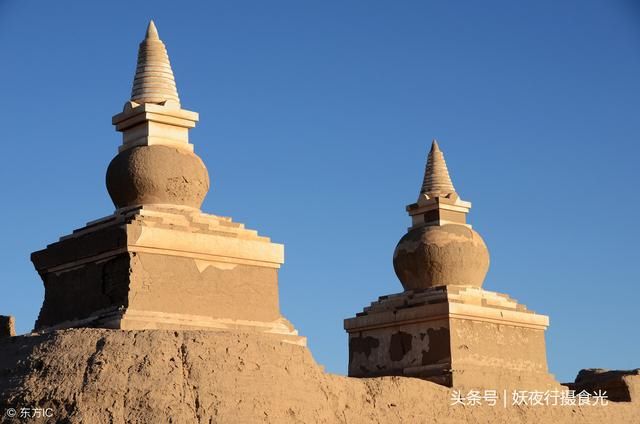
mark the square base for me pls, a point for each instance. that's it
(158, 267)
(451, 335)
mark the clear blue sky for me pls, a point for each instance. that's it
(316, 118)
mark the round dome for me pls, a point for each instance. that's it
(441, 255)
(157, 174)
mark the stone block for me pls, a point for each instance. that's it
(620, 386)
(7, 326)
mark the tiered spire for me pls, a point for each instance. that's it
(437, 181)
(154, 81)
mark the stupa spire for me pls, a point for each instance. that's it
(155, 163)
(437, 181)
(438, 202)
(154, 81)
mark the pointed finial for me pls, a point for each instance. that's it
(152, 31)
(437, 181)
(154, 81)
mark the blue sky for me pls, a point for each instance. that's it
(315, 121)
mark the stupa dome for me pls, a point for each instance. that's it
(157, 175)
(444, 255)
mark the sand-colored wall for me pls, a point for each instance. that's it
(392, 350)
(488, 355)
(79, 292)
(151, 282)
(114, 376)
(191, 286)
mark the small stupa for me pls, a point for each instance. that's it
(444, 326)
(158, 262)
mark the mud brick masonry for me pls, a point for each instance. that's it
(158, 261)
(444, 326)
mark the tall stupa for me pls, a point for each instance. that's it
(158, 261)
(444, 326)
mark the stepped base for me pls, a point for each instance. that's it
(131, 319)
(452, 335)
(156, 267)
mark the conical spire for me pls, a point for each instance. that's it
(152, 31)
(154, 82)
(436, 176)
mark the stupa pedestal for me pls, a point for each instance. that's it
(158, 262)
(444, 327)
(452, 335)
(152, 267)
